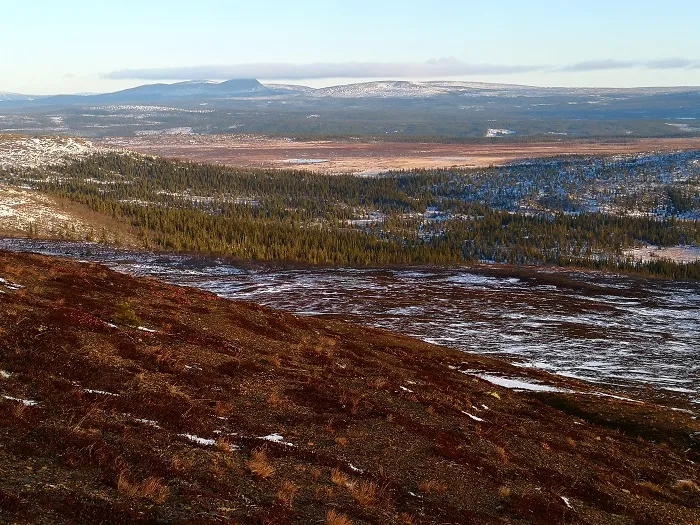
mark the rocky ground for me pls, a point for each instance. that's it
(19, 151)
(125, 400)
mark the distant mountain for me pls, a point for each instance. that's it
(407, 89)
(389, 108)
(15, 97)
(195, 90)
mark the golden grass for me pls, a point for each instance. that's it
(324, 493)
(151, 488)
(502, 454)
(365, 494)
(19, 410)
(224, 445)
(340, 478)
(378, 383)
(407, 519)
(223, 408)
(504, 492)
(181, 464)
(430, 486)
(687, 485)
(286, 493)
(336, 518)
(651, 488)
(274, 399)
(259, 465)
(274, 360)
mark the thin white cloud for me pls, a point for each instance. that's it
(598, 65)
(434, 68)
(672, 63)
(609, 64)
(445, 67)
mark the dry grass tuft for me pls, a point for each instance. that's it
(353, 400)
(378, 383)
(407, 519)
(504, 492)
(19, 410)
(286, 493)
(651, 488)
(430, 486)
(324, 493)
(176, 391)
(336, 518)
(224, 445)
(274, 360)
(687, 485)
(151, 488)
(502, 454)
(340, 478)
(365, 494)
(181, 464)
(223, 408)
(274, 399)
(259, 465)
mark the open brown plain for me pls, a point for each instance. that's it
(368, 158)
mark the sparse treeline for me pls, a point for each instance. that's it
(422, 217)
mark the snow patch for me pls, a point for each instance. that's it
(494, 132)
(475, 418)
(519, 384)
(198, 440)
(276, 438)
(25, 402)
(148, 422)
(101, 392)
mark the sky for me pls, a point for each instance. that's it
(78, 46)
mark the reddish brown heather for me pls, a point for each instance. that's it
(166, 427)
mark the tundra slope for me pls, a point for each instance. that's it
(212, 411)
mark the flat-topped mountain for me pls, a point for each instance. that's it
(389, 89)
(390, 109)
(125, 400)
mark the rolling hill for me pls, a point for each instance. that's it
(124, 400)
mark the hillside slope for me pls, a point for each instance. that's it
(212, 411)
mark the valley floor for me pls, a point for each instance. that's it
(370, 158)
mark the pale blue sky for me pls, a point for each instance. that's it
(80, 45)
